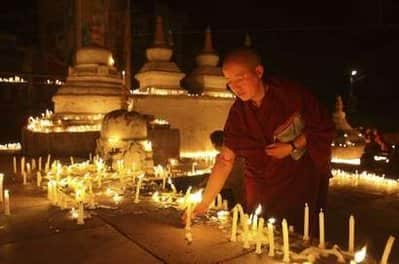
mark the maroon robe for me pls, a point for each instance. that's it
(282, 186)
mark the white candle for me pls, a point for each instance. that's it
(255, 222)
(33, 164)
(90, 156)
(81, 213)
(225, 205)
(40, 163)
(138, 186)
(387, 250)
(6, 202)
(38, 179)
(48, 160)
(22, 164)
(28, 168)
(306, 223)
(1, 186)
(72, 161)
(219, 204)
(286, 243)
(246, 232)
(49, 191)
(259, 236)
(234, 224)
(270, 233)
(14, 163)
(322, 244)
(188, 216)
(24, 178)
(351, 242)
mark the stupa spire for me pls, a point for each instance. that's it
(159, 36)
(208, 46)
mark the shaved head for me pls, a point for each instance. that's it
(244, 56)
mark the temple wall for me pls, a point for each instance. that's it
(196, 117)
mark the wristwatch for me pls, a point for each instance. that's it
(292, 145)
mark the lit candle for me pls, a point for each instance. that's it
(81, 220)
(322, 244)
(351, 242)
(225, 205)
(188, 217)
(48, 162)
(270, 233)
(28, 168)
(219, 204)
(33, 164)
(246, 232)
(38, 179)
(14, 163)
(138, 186)
(234, 224)
(24, 178)
(6, 202)
(387, 250)
(22, 164)
(72, 161)
(40, 163)
(1, 186)
(259, 236)
(286, 243)
(258, 211)
(306, 223)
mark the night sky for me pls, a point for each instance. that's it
(317, 43)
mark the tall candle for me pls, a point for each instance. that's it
(225, 205)
(138, 186)
(6, 202)
(72, 161)
(24, 178)
(234, 224)
(14, 163)
(48, 162)
(81, 213)
(259, 236)
(33, 164)
(188, 216)
(286, 243)
(255, 222)
(321, 230)
(246, 232)
(28, 168)
(270, 233)
(306, 223)
(219, 204)
(40, 163)
(1, 186)
(38, 179)
(387, 250)
(22, 164)
(351, 242)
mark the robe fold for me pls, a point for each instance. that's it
(282, 186)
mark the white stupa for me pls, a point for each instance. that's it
(160, 75)
(93, 86)
(207, 76)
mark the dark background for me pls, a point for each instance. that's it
(317, 43)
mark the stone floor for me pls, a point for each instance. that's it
(37, 232)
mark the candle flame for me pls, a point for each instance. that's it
(258, 210)
(74, 213)
(155, 197)
(361, 254)
(196, 197)
(272, 220)
(117, 198)
(147, 145)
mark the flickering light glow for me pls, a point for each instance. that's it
(10, 147)
(361, 255)
(13, 79)
(346, 161)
